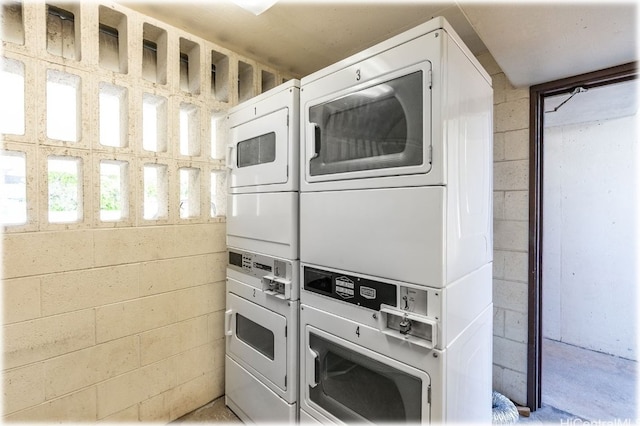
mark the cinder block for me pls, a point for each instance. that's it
(515, 326)
(498, 204)
(510, 295)
(76, 407)
(82, 368)
(510, 354)
(175, 274)
(21, 297)
(516, 205)
(514, 386)
(498, 264)
(512, 115)
(23, 387)
(511, 175)
(200, 300)
(121, 392)
(76, 290)
(27, 254)
(516, 145)
(191, 395)
(157, 408)
(216, 325)
(196, 362)
(190, 240)
(498, 322)
(130, 245)
(497, 378)
(36, 340)
(516, 266)
(135, 316)
(127, 415)
(510, 235)
(166, 341)
(498, 146)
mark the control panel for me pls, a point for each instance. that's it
(275, 274)
(352, 289)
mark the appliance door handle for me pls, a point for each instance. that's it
(315, 142)
(227, 322)
(231, 161)
(313, 368)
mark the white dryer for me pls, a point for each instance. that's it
(261, 328)
(377, 351)
(396, 158)
(263, 180)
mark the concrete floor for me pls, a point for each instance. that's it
(213, 412)
(578, 386)
(586, 384)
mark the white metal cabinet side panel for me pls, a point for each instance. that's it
(389, 233)
(463, 300)
(469, 373)
(467, 114)
(251, 400)
(264, 222)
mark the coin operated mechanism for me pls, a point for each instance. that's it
(275, 286)
(411, 321)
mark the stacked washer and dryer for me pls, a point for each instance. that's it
(395, 256)
(261, 318)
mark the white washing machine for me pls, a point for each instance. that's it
(261, 328)
(396, 160)
(375, 350)
(263, 180)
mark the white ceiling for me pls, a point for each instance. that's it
(532, 42)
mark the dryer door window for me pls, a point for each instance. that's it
(258, 150)
(377, 128)
(353, 384)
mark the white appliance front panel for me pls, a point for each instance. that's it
(251, 400)
(264, 222)
(257, 337)
(263, 155)
(364, 341)
(251, 166)
(396, 234)
(460, 105)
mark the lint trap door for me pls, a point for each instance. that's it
(258, 153)
(256, 338)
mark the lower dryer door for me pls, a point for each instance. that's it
(350, 383)
(256, 338)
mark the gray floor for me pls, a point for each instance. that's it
(586, 385)
(579, 386)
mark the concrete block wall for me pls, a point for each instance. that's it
(510, 238)
(116, 320)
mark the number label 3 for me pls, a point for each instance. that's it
(358, 76)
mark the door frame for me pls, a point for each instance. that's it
(537, 95)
